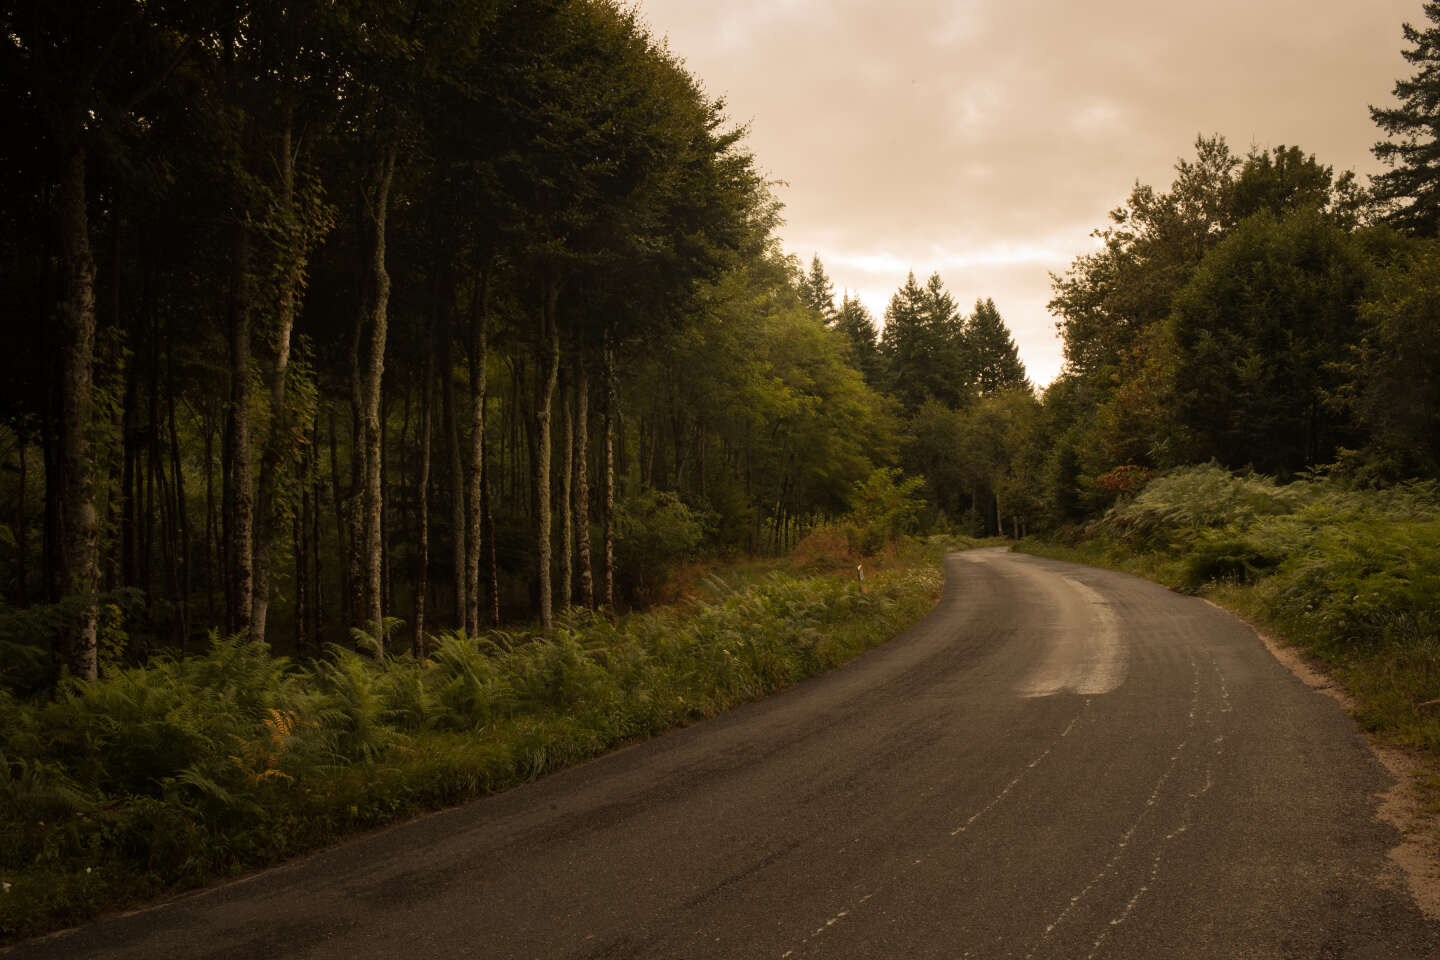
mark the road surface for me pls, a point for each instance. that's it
(1059, 762)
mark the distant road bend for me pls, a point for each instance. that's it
(1058, 762)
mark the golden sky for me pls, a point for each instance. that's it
(986, 139)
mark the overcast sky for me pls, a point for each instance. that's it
(986, 139)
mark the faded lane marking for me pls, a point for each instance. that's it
(1035, 762)
(1122, 845)
(1090, 662)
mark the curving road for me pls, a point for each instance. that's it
(1058, 762)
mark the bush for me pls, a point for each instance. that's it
(1227, 560)
(166, 775)
(883, 508)
(1351, 575)
(655, 531)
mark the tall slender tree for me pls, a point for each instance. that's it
(1411, 187)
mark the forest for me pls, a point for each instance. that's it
(370, 369)
(411, 317)
(406, 320)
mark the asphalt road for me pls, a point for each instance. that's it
(1059, 762)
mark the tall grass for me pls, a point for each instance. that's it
(163, 776)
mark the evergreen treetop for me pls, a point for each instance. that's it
(995, 359)
(1411, 187)
(817, 291)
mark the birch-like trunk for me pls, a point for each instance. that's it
(422, 560)
(78, 520)
(372, 326)
(279, 416)
(478, 357)
(457, 478)
(609, 494)
(240, 488)
(582, 484)
(488, 522)
(567, 479)
(379, 206)
(544, 400)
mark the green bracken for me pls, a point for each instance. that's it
(1351, 576)
(165, 776)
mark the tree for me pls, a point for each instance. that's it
(855, 322)
(923, 345)
(1286, 179)
(817, 291)
(1397, 392)
(1155, 241)
(1259, 333)
(81, 71)
(1411, 187)
(994, 359)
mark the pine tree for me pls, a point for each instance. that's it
(817, 291)
(855, 322)
(923, 345)
(1412, 185)
(995, 361)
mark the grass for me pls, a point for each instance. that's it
(167, 776)
(1351, 577)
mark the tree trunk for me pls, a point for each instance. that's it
(300, 523)
(78, 521)
(488, 521)
(371, 329)
(422, 485)
(609, 473)
(274, 448)
(567, 479)
(317, 585)
(478, 351)
(169, 522)
(338, 501)
(241, 505)
(386, 593)
(210, 531)
(582, 484)
(129, 481)
(183, 627)
(457, 478)
(542, 448)
(22, 545)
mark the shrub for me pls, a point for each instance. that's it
(655, 531)
(1227, 559)
(882, 508)
(169, 774)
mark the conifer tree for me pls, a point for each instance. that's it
(855, 322)
(1412, 184)
(818, 292)
(923, 345)
(995, 361)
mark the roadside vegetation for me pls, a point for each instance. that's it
(388, 387)
(167, 775)
(1349, 575)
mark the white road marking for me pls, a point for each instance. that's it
(958, 830)
(1122, 845)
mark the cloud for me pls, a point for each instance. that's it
(986, 139)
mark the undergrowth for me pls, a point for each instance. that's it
(166, 776)
(1352, 576)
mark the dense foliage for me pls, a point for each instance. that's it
(174, 772)
(329, 316)
(358, 332)
(1351, 575)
